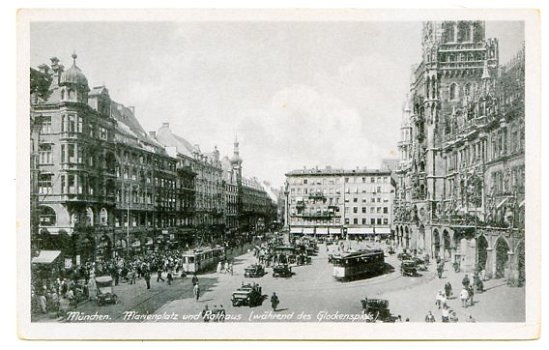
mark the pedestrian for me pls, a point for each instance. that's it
(147, 277)
(445, 314)
(222, 313)
(456, 266)
(194, 279)
(453, 317)
(471, 292)
(196, 291)
(440, 269)
(430, 318)
(274, 301)
(219, 267)
(465, 282)
(169, 277)
(231, 268)
(206, 313)
(159, 274)
(226, 266)
(464, 296)
(438, 299)
(448, 289)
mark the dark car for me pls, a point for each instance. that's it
(282, 271)
(247, 294)
(254, 270)
(378, 310)
(408, 268)
(404, 256)
(421, 265)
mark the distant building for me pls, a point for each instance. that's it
(339, 202)
(102, 186)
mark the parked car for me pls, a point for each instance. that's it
(420, 264)
(247, 294)
(408, 268)
(255, 270)
(105, 290)
(282, 271)
(378, 309)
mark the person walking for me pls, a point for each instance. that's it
(471, 293)
(430, 318)
(448, 289)
(159, 274)
(445, 314)
(465, 282)
(147, 277)
(464, 296)
(194, 280)
(440, 269)
(274, 301)
(196, 291)
(169, 277)
(438, 299)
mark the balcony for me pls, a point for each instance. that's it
(317, 196)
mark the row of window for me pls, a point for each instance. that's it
(337, 180)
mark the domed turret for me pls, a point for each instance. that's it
(74, 75)
(235, 159)
(74, 84)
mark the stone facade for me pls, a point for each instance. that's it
(460, 181)
(338, 202)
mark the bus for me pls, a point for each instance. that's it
(358, 264)
(202, 259)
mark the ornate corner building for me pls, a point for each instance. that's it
(461, 181)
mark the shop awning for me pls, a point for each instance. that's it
(360, 231)
(46, 257)
(335, 230)
(308, 230)
(383, 230)
(321, 230)
(296, 230)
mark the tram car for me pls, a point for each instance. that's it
(358, 264)
(202, 259)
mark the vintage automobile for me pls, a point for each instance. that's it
(378, 310)
(404, 256)
(420, 264)
(408, 268)
(282, 271)
(255, 270)
(248, 294)
(303, 259)
(105, 292)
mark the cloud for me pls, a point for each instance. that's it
(304, 127)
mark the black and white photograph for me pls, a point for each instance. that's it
(311, 174)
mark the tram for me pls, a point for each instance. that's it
(358, 264)
(198, 260)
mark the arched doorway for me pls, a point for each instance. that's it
(421, 239)
(521, 267)
(482, 253)
(502, 258)
(436, 243)
(447, 254)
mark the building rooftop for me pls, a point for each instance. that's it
(331, 171)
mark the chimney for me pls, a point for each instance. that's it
(166, 125)
(152, 134)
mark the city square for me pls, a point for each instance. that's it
(204, 201)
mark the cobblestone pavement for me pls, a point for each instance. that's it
(312, 291)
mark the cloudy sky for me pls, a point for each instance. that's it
(297, 94)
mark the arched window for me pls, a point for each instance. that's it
(89, 216)
(47, 216)
(103, 217)
(468, 89)
(453, 91)
(62, 94)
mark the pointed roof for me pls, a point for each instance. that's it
(166, 137)
(485, 71)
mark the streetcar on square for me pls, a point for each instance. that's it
(202, 259)
(358, 264)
